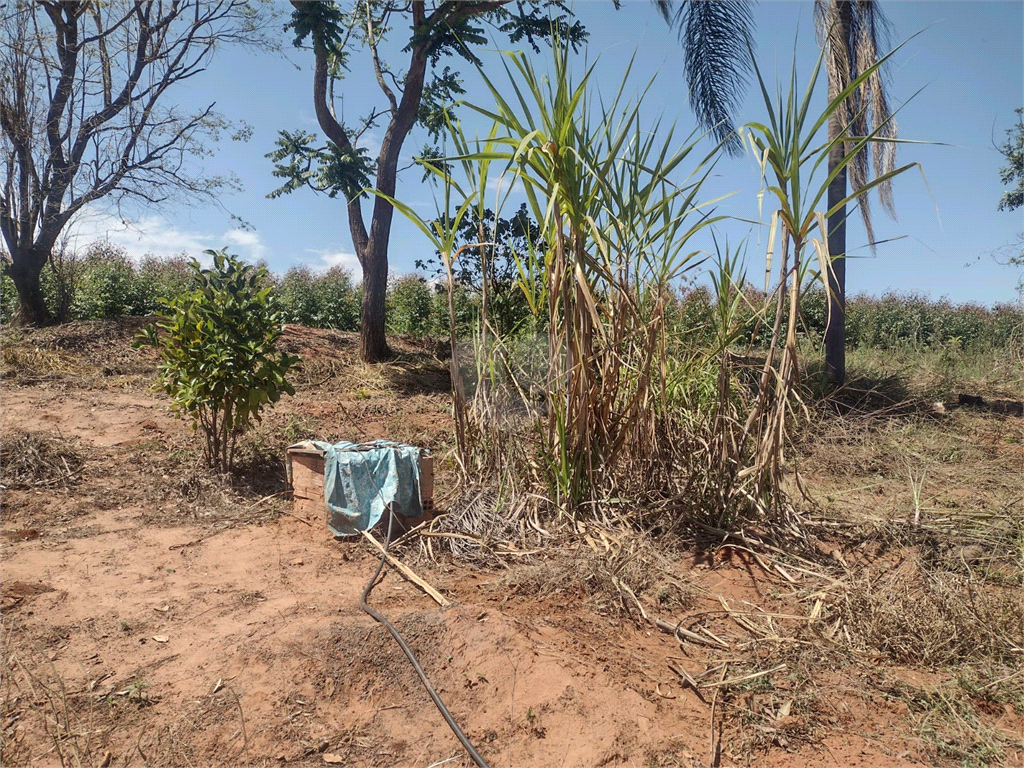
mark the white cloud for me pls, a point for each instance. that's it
(247, 240)
(344, 259)
(149, 235)
(503, 187)
(371, 142)
(156, 236)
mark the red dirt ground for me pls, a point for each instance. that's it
(145, 624)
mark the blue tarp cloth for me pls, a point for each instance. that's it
(362, 479)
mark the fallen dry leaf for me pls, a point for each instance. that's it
(330, 757)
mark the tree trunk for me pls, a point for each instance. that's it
(373, 344)
(24, 270)
(835, 334)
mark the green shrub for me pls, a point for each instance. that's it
(340, 301)
(892, 321)
(61, 279)
(218, 360)
(320, 301)
(162, 277)
(466, 311)
(409, 306)
(108, 286)
(297, 294)
(692, 312)
(8, 293)
(909, 320)
(1007, 329)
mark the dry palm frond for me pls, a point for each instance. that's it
(851, 34)
(484, 525)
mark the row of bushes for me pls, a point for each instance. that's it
(105, 283)
(893, 321)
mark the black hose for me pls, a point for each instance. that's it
(412, 658)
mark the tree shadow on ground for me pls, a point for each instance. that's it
(417, 373)
(863, 394)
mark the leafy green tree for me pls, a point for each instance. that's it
(85, 117)
(1013, 174)
(218, 360)
(439, 31)
(506, 241)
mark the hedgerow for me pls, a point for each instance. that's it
(104, 282)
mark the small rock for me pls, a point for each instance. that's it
(298, 561)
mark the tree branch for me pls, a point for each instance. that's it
(372, 43)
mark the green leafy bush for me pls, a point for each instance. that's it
(218, 360)
(908, 320)
(8, 293)
(108, 286)
(466, 311)
(162, 277)
(328, 300)
(409, 306)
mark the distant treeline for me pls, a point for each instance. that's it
(104, 283)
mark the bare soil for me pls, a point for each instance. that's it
(155, 615)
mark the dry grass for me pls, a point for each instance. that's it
(25, 364)
(933, 618)
(48, 719)
(38, 460)
(34, 696)
(484, 526)
(948, 722)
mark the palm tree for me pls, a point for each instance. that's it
(849, 31)
(717, 41)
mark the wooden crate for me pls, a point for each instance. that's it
(307, 476)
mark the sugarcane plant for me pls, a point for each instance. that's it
(616, 209)
(795, 180)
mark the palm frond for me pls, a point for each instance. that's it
(717, 42)
(852, 46)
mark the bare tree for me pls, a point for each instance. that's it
(85, 114)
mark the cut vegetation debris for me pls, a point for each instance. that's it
(38, 460)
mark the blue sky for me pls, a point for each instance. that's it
(968, 59)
